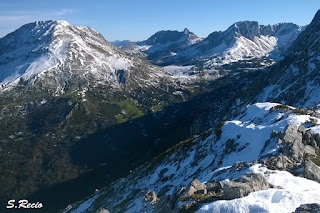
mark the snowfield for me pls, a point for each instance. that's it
(295, 192)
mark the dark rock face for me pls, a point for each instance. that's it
(308, 208)
(248, 29)
(244, 185)
(121, 75)
(308, 39)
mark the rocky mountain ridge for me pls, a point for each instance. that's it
(241, 41)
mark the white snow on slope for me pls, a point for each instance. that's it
(296, 191)
(253, 129)
(60, 47)
(243, 49)
(209, 158)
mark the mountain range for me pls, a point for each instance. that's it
(241, 41)
(189, 124)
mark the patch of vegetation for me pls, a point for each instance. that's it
(129, 111)
(300, 111)
(281, 107)
(286, 108)
(199, 197)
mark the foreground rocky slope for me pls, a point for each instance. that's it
(254, 152)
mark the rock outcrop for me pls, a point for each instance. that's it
(292, 143)
(244, 185)
(195, 187)
(311, 170)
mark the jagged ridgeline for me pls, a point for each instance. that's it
(78, 113)
(241, 41)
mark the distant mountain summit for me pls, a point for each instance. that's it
(241, 41)
(53, 52)
(166, 36)
(163, 44)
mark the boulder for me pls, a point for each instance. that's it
(244, 185)
(308, 208)
(311, 170)
(194, 186)
(292, 143)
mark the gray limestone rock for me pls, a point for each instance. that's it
(292, 143)
(244, 185)
(311, 170)
(194, 186)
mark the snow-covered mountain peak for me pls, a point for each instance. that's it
(53, 51)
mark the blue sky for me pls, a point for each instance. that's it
(139, 19)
